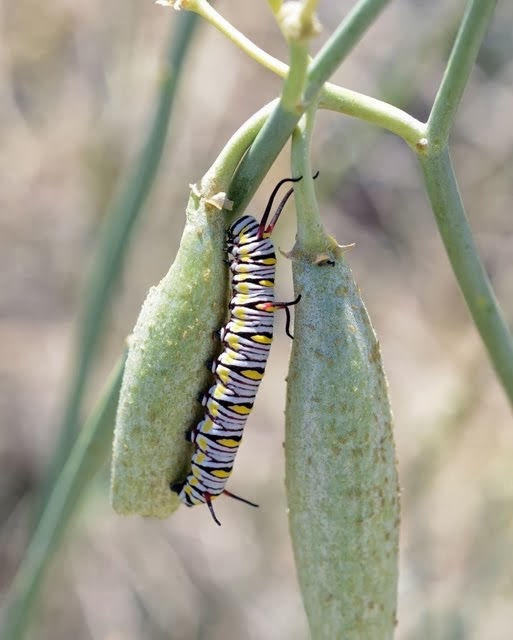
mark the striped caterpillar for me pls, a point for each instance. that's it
(238, 370)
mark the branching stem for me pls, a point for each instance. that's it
(332, 97)
(461, 62)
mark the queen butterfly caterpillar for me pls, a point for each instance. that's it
(238, 370)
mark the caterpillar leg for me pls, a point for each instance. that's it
(190, 436)
(176, 487)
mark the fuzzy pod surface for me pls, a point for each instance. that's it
(166, 368)
(341, 472)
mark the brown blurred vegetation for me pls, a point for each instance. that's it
(77, 86)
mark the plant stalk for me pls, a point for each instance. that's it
(474, 283)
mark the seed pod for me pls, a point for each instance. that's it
(340, 460)
(166, 368)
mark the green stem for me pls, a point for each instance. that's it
(260, 157)
(206, 11)
(342, 42)
(226, 163)
(294, 84)
(474, 283)
(281, 123)
(310, 232)
(461, 61)
(373, 111)
(113, 243)
(90, 451)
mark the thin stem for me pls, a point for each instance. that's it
(342, 42)
(461, 61)
(471, 276)
(260, 157)
(226, 162)
(113, 242)
(205, 10)
(90, 451)
(310, 232)
(294, 84)
(373, 111)
(281, 123)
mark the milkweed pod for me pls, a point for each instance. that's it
(340, 458)
(165, 369)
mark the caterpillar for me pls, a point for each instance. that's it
(239, 369)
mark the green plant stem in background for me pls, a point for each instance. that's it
(457, 237)
(113, 243)
(280, 125)
(89, 453)
(461, 62)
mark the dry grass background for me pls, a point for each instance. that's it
(77, 85)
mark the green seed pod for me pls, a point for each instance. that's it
(166, 367)
(340, 459)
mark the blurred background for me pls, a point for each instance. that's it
(77, 91)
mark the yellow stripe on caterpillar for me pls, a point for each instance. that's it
(220, 473)
(251, 374)
(202, 442)
(261, 339)
(220, 392)
(224, 375)
(228, 442)
(207, 426)
(240, 409)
